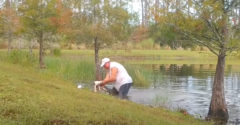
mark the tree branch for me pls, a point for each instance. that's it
(231, 49)
(234, 3)
(211, 26)
(208, 37)
(214, 30)
(210, 47)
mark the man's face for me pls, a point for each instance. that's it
(107, 65)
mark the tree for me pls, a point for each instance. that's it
(167, 35)
(208, 24)
(101, 21)
(63, 19)
(146, 11)
(211, 27)
(62, 22)
(162, 30)
(9, 21)
(37, 21)
(1, 23)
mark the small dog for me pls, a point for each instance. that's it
(100, 89)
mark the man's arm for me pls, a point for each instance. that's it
(110, 78)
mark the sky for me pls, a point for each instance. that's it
(1, 3)
(136, 5)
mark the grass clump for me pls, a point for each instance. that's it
(23, 58)
(75, 70)
(57, 52)
(140, 76)
(140, 79)
(161, 101)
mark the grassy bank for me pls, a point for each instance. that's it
(145, 53)
(31, 98)
(78, 66)
(174, 54)
(75, 68)
(157, 56)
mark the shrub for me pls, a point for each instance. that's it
(161, 101)
(147, 44)
(75, 70)
(57, 52)
(3, 45)
(22, 57)
(141, 77)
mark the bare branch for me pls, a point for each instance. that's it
(230, 50)
(214, 30)
(236, 27)
(212, 27)
(208, 37)
(233, 3)
(210, 47)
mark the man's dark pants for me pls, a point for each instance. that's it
(123, 91)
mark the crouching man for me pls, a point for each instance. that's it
(117, 74)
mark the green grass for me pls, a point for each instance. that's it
(82, 70)
(145, 53)
(174, 54)
(158, 56)
(75, 70)
(78, 65)
(31, 98)
(141, 76)
(184, 61)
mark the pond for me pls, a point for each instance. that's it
(189, 87)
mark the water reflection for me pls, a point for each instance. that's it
(189, 87)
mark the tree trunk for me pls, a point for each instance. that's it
(9, 27)
(96, 47)
(188, 8)
(41, 62)
(30, 47)
(218, 108)
(9, 40)
(156, 10)
(146, 13)
(19, 44)
(238, 16)
(142, 3)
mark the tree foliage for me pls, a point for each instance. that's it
(208, 24)
(9, 21)
(37, 17)
(212, 26)
(106, 20)
(99, 23)
(62, 19)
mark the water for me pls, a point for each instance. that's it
(189, 87)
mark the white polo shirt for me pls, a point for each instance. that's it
(122, 75)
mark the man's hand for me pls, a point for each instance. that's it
(97, 82)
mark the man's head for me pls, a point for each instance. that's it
(105, 63)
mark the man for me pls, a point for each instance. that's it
(118, 74)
